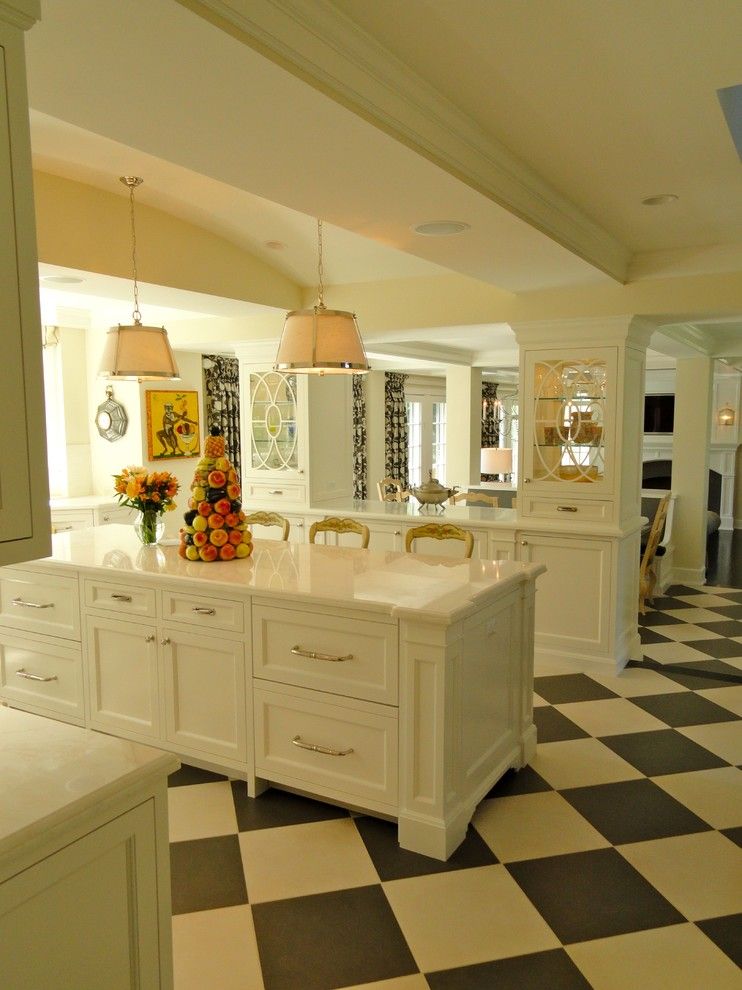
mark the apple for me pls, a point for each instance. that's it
(231, 519)
(223, 506)
(235, 536)
(208, 552)
(233, 489)
(217, 479)
(215, 521)
(204, 508)
(232, 475)
(199, 539)
(192, 553)
(218, 537)
(243, 550)
(200, 524)
(227, 552)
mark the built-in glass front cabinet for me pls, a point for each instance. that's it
(273, 421)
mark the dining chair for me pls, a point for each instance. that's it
(440, 531)
(269, 519)
(647, 577)
(334, 524)
(391, 490)
(475, 498)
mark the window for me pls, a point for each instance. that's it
(426, 425)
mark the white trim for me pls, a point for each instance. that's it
(690, 575)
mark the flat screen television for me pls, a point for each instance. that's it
(659, 413)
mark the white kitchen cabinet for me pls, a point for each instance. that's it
(65, 520)
(84, 865)
(24, 486)
(296, 434)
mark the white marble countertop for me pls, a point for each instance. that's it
(50, 771)
(441, 588)
(459, 515)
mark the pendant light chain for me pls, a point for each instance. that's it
(320, 269)
(132, 182)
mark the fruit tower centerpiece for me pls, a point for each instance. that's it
(215, 526)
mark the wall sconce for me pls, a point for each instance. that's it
(725, 416)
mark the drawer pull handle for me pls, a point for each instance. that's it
(20, 601)
(106, 518)
(276, 491)
(63, 529)
(121, 598)
(34, 677)
(203, 611)
(298, 741)
(312, 655)
(566, 508)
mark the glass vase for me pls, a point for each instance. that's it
(149, 527)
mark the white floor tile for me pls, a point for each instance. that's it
(216, 949)
(199, 811)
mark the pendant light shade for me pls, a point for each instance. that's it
(135, 351)
(319, 340)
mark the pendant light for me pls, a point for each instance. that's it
(321, 341)
(136, 351)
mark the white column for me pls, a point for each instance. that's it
(690, 465)
(463, 425)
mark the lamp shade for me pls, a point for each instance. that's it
(321, 341)
(138, 352)
(496, 460)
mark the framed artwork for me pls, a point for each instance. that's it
(172, 424)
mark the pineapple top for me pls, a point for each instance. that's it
(214, 446)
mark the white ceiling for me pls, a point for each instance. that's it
(604, 103)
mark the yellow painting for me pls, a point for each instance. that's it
(172, 425)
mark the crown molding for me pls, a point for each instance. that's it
(321, 45)
(22, 14)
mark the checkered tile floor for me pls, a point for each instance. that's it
(612, 862)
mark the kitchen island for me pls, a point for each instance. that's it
(397, 684)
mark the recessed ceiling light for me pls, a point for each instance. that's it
(441, 228)
(62, 279)
(660, 200)
(275, 245)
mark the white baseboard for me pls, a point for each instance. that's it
(689, 575)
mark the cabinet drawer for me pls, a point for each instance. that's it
(277, 491)
(42, 674)
(567, 509)
(105, 515)
(120, 599)
(65, 520)
(357, 755)
(206, 613)
(40, 603)
(326, 652)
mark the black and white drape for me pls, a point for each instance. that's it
(360, 480)
(490, 425)
(222, 400)
(396, 437)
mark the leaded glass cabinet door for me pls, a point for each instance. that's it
(274, 427)
(571, 416)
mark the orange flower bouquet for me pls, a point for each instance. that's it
(152, 494)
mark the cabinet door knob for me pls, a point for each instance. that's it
(526, 481)
(300, 524)
(397, 532)
(106, 518)
(149, 639)
(165, 641)
(524, 543)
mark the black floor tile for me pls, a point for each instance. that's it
(658, 619)
(337, 939)
(734, 834)
(551, 970)
(726, 933)
(718, 648)
(560, 689)
(662, 751)
(663, 602)
(734, 596)
(193, 775)
(394, 863)
(552, 726)
(275, 808)
(206, 874)
(650, 636)
(633, 811)
(591, 895)
(523, 781)
(683, 708)
(730, 611)
(704, 674)
(680, 589)
(731, 627)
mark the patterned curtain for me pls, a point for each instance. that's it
(396, 442)
(222, 400)
(360, 481)
(490, 428)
